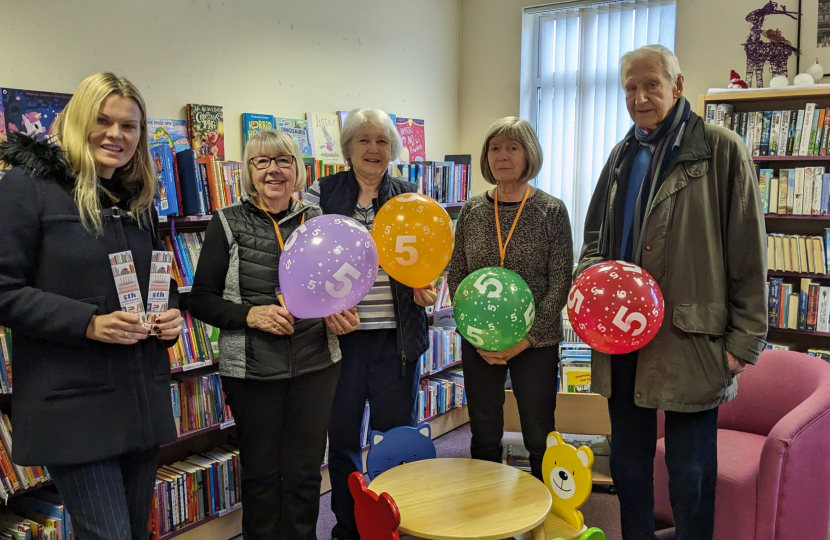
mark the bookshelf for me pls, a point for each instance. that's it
(783, 223)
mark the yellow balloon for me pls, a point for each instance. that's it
(414, 238)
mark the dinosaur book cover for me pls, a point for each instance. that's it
(172, 131)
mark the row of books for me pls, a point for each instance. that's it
(438, 395)
(27, 527)
(442, 300)
(444, 349)
(824, 354)
(776, 133)
(201, 486)
(13, 477)
(801, 306)
(318, 135)
(42, 510)
(186, 248)
(199, 403)
(447, 181)
(574, 367)
(797, 253)
(803, 191)
(5, 360)
(197, 346)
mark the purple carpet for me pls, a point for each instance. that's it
(601, 510)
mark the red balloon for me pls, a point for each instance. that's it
(616, 307)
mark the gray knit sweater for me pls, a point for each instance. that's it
(540, 251)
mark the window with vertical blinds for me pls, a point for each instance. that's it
(571, 90)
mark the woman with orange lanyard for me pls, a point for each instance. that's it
(528, 231)
(279, 374)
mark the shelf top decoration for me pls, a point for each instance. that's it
(776, 50)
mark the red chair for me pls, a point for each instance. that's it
(773, 458)
(377, 517)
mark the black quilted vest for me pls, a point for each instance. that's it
(338, 195)
(270, 356)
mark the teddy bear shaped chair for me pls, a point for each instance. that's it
(567, 474)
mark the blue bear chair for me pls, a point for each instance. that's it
(398, 446)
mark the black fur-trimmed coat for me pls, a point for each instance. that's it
(75, 400)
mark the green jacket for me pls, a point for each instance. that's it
(705, 244)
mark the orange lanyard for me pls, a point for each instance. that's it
(503, 247)
(276, 227)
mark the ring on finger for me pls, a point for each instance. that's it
(279, 328)
(125, 334)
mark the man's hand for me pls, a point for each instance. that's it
(736, 365)
(495, 358)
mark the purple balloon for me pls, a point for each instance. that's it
(329, 264)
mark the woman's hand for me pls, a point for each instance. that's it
(273, 319)
(168, 326)
(425, 297)
(118, 327)
(501, 357)
(343, 322)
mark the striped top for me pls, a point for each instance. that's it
(377, 309)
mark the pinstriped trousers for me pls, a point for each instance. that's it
(109, 499)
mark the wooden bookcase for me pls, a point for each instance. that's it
(790, 98)
(229, 524)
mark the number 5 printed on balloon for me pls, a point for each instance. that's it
(633, 317)
(575, 300)
(530, 314)
(342, 275)
(293, 238)
(474, 335)
(481, 284)
(409, 197)
(411, 252)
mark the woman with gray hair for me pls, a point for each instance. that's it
(528, 231)
(379, 361)
(279, 374)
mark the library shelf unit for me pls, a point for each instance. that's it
(786, 99)
(228, 523)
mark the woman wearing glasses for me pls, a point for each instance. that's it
(279, 374)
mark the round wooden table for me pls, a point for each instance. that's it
(451, 499)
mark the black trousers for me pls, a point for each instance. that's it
(109, 499)
(371, 370)
(533, 374)
(691, 459)
(281, 432)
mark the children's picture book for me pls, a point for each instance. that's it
(411, 131)
(30, 111)
(165, 168)
(253, 122)
(173, 131)
(324, 136)
(206, 127)
(298, 129)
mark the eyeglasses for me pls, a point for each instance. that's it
(263, 162)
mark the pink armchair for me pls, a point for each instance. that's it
(773, 453)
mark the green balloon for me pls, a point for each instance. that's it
(494, 308)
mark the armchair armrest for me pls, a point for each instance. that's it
(793, 498)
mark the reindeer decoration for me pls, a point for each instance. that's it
(776, 51)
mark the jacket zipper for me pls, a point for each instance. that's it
(292, 365)
(400, 325)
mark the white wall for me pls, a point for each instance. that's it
(282, 57)
(708, 44)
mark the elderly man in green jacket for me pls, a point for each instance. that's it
(678, 197)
